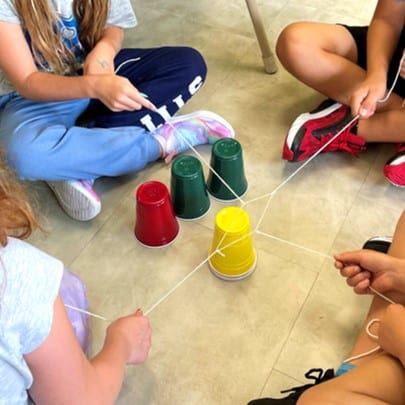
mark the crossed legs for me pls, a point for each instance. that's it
(378, 378)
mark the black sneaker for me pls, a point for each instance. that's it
(378, 243)
(296, 392)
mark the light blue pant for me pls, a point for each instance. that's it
(43, 142)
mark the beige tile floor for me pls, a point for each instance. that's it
(218, 342)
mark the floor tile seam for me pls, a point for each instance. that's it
(85, 246)
(288, 336)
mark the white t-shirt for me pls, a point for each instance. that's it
(121, 14)
(29, 284)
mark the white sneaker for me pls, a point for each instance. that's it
(77, 198)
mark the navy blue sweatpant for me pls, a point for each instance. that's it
(169, 76)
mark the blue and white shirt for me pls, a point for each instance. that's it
(29, 284)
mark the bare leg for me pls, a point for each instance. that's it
(324, 56)
(379, 381)
(378, 305)
(385, 126)
(378, 378)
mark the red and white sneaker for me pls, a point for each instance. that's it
(310, 131)
(394, 169)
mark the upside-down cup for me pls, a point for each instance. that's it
(227, 162)
(232, 256)
(188, 189)
(156, 224)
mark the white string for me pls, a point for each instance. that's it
(180, 283)
(381, 295)
(86, 312)
(360, 356)
(368, 331)
(395, 81)
(371, 323)
(201, 157)
(373, 336)
(125, 62)
(269, 195)
(294, 245)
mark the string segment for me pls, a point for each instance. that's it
(269, 196)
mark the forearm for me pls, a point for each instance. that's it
(382, 41)
(101, 57)
(40, 86)
(111, 40)
(108, 367)
(383, 34)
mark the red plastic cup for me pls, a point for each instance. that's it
(156, 224)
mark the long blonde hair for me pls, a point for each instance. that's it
(39, 20)
(16, 216)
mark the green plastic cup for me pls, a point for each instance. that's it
(188, 188)
(227, 161)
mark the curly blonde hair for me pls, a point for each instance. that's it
(16, 216)
(39, 20)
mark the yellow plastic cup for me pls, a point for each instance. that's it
(232, 256)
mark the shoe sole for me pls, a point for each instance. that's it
(378, 243)
(204, 113)
(300, 121)
(88, 207)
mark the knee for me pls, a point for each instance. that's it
(194, 61)
(291, 43)
(23, 158)
(315, 395)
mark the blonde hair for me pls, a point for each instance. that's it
(47, 46)
(16, 216)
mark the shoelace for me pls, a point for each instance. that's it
(316, 374)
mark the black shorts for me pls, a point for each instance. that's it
(359, 35)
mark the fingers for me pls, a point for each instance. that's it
(352, 257)
(119, 94)
(366, 108)
(132, 101)
(349, 265)
(357, 104)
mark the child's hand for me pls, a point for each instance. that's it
(134, 332)
(365, 268)
(117, 93)
(367, 95)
